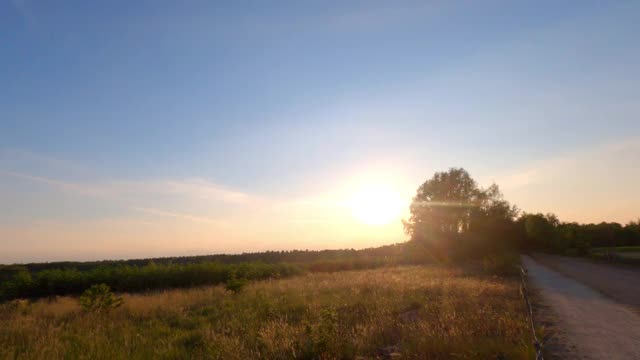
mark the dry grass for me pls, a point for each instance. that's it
(412, 312)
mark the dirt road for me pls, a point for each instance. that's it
(593, 326)
(619, 282)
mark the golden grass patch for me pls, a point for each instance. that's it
(413, 312)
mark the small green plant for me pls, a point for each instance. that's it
(234, 284)
(99, 298)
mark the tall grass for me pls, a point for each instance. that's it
(414, 312)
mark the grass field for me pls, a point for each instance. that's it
(413, 312)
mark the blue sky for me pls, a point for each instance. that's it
(119, 114)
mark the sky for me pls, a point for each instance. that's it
(135, 129)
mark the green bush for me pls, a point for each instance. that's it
(234, 284)
(501, 264)
(99, 298)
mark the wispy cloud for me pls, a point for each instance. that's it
(193, 199)
(173, 214)
(76, 188)
(204, 189)
(545, 169)
(196, 187)
(144, 195)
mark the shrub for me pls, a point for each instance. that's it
(234, 284)
(501, 264)
(99, 298)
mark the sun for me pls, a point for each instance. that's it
(376, 204)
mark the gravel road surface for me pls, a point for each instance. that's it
(619, 282)
(593, 326)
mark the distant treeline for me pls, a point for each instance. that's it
(304, 258)
(69, 278)
(547, 233)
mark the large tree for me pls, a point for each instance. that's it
(442, 205)
(450, 211)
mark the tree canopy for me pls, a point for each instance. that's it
(451, 215)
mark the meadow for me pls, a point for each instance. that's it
(432, 311)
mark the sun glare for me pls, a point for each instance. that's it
(376, 205)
